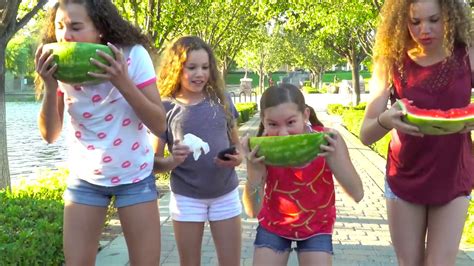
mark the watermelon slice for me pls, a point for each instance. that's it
(437, 122)
(289, 151)
(73, 59)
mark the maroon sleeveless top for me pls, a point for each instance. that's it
(432, 169)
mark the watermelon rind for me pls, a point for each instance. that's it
(289, 151)
(442, 125)
(73, 60)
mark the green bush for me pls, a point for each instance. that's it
(246, 110)
(309, 89)
(31, 220)
(335, 109)
(324, 89)
(360, 106)
(468, 233)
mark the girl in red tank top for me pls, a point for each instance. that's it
(429, 178)
(298, 204)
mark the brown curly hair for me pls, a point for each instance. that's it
(389, 51)
(106, 19)
(171, 68)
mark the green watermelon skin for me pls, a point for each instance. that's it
(289, 151)
(437, 122)
(73, 60)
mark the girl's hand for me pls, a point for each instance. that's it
(179, 152)
(392, 118)
(329, 151)
(256, 168)
(468, 128)
(45, 69)
(117, 69)
(234, 160)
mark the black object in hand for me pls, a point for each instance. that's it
(221, 154)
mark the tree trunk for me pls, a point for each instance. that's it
(314, 78)
(4, 168)
(355, 76)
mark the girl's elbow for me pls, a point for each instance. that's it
(358, 196)
(158, 129)
(364, 138)
(49, 137)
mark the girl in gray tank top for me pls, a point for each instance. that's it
(200, 122)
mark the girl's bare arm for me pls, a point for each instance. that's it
(337, 157)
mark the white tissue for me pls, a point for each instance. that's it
(196, 144)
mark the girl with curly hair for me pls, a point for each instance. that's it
(110, 153)
(423, 52)
(200, 121)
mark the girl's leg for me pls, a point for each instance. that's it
(445, 225)
(141, 228)
(228, 240)
(188, 237)
(407, 223)
(309, 258)
(267, 256)
(82, 228)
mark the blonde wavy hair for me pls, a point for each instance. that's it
(171, 68)
(389, 51)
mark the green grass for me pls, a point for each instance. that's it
(233, 78)
(328, 77)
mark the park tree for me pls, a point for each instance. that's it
(345, 27)
(305, 51)
(14, 14)
(19, 57)
(263, 54)
(160, 20)
(234, 25)
(227, 26)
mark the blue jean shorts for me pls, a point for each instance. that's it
(391, 196)
(318, 243)
(83, 192)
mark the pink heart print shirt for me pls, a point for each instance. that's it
(108, 144)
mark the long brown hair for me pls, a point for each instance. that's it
(285, 93)
(172, 65)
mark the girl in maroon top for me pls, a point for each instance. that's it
(297, 202)
(429, 178)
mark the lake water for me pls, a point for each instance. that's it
(27, 152)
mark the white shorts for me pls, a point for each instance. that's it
(186, 209)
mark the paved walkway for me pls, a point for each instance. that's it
(361, 235)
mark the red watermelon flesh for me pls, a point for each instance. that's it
(435, 121)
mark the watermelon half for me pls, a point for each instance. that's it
(289, 151)
(73, 59)
(437, 122)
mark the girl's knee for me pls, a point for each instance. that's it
(447, 258)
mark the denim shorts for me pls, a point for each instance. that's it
(318, 243)
(83, 192)
(186, 209)
(391, 196)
